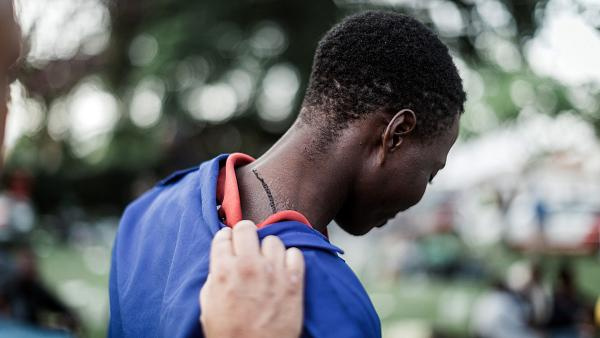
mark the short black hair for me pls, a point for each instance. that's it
(378, 60)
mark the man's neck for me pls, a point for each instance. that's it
(315, 186)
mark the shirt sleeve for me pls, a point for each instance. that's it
(336, 304)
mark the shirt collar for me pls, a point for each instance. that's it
(228, 196)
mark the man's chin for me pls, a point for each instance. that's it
(353, 229)
(360, 230)
(381, 224)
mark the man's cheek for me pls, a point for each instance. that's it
(414, 193)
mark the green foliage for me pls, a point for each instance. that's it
(186, 49)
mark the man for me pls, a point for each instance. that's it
(231, 296)
(379, 116)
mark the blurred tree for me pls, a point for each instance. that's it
(185, 80)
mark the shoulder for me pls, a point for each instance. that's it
(185, 191)
(167, 215)
(151, 267)
(336, 303)
(170, 189)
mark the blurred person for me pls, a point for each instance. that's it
(542, 214)
(24, 296)
(443, 248)
(443, 253)
(28, 298)
(524, 279)
(568, 316)
(17, 215)
(501, 313)
(379, 116)
(536, 295)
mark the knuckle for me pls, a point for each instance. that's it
(270, 272)
(221, 276)
(246, 268)
(292, 289)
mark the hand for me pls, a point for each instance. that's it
(251, 291)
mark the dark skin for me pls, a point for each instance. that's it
(375, 168)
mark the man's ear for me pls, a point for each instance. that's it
(402, 124)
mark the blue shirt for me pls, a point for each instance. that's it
(161, 256)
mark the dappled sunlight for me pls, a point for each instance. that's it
(146, 103)
(26, 116)
(61, 28)
(93, 113)
(278, 91)
(213, 103)
(566, 47)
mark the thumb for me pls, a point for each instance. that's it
(294, 261)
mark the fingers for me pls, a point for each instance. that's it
(221, 248)
(295, 288)
(245, 239)
(294, 263)
(242, 242)
(274, 251)
(203, 298)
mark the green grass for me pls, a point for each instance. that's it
(435, 303)
(444, 305)
(65, 271)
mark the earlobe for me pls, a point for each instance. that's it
(402, 124)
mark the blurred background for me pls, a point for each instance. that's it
(115, 94)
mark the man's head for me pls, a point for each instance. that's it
(384, 84)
